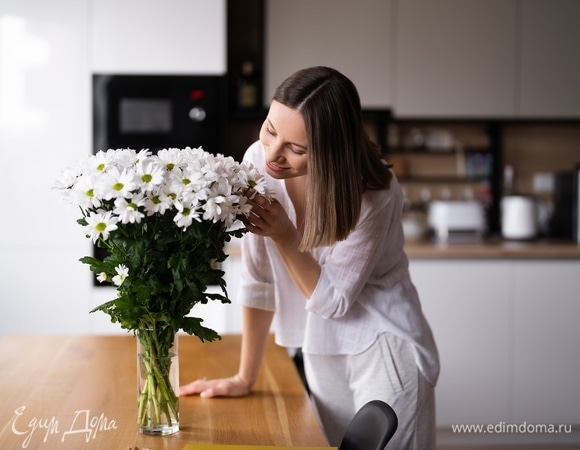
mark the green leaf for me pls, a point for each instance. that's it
(192, 325)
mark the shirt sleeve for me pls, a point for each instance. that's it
(369, 258)
(256, 287)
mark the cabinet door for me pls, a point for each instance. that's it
(468, 307)
(547, 336)
(44, 127)
(174, 37)
(353, 37)
(550, 59)
(455, 58)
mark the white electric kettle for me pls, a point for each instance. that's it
(519, 217)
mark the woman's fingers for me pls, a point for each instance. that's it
(221, 387)
(195, 387)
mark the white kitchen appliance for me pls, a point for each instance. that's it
(519, 217)
(452, 220)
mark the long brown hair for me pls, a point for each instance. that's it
(342, 161)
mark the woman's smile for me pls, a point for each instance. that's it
(276, 167)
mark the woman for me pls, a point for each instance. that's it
(324, 263)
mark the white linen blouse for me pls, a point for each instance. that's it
(364, 288)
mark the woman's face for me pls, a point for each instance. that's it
(283, 135)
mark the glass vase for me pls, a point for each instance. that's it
(158, 381)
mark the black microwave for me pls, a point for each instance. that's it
(159, 111)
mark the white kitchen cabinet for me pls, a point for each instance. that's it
(455, 58)
(353, 37)
(44, 127)
(549, 59)
(547, 337)
(159, 37)
(436, 58)
(46, 60)
(468, 307)
(508, 336)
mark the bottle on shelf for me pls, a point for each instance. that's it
(247, 87)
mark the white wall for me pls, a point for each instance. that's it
(45, 126)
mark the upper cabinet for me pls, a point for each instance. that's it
(500, 59)
(154, 37)
(353, 37)
(455, 58)
(549, 79)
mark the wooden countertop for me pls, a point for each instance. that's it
(493, 249)
(63, 392)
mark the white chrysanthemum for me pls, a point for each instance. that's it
(221, 209)
(185, 216)
(250, 176)
(122, 274)
(66, 182)
(102, 277)
(149, 175)
(193, 179)
(68, 178)
(126, 158)
(115, 183)
(84, 194)
(243, 206)
(158, 202)
(142, 155)
(100, 225)
(221, 186)
(170, 158)
(136, 185)
(100, 162)
(128, 209)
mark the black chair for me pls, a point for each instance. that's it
(371, 428)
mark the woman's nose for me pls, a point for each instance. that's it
(277, 149)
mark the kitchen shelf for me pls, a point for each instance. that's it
(443, 179)
(245, 43)
(411, 151)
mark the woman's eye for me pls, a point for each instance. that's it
(296, 151)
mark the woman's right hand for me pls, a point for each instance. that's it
(219, 387)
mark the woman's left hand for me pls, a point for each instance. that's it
(269, 218)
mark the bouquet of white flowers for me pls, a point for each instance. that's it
(164, 220)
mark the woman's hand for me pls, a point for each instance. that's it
(268, 218)
(220, 387)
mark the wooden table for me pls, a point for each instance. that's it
(79, 392)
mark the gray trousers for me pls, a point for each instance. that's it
(341, 384)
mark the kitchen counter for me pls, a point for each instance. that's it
(493, 248)
(81, 392)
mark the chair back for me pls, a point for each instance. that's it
(371, 428)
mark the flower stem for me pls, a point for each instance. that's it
(158, 403)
